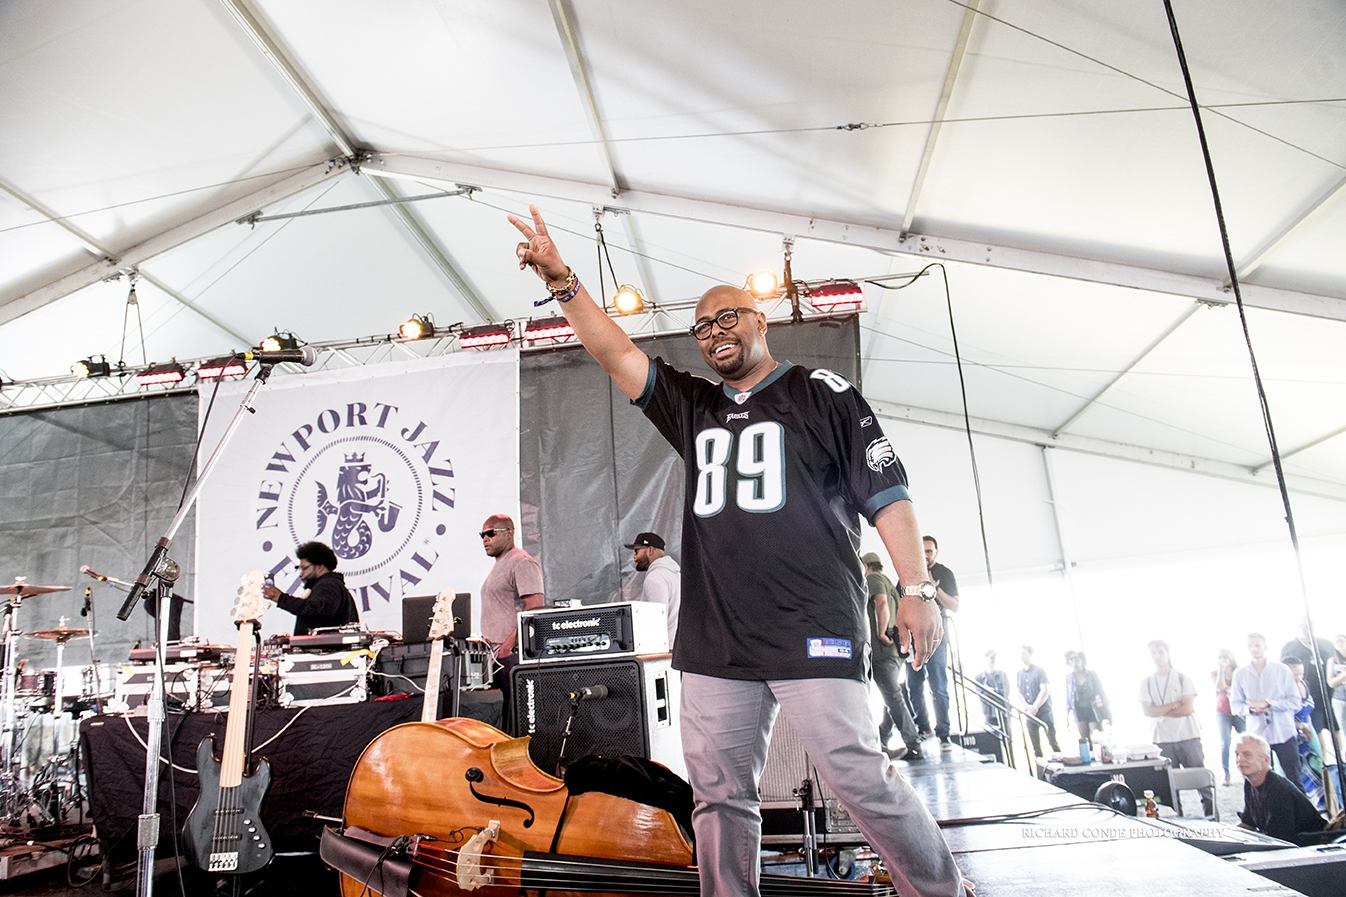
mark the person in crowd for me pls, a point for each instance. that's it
(1086, 702)
(996, 682)
(883, 601)
(1264, 691)
(663, 578)
(936, 671)
(1036, 692)
(1336, 680)
(1225, 718)
(1166, 697)
(1310, 749)
(780, 463)
(514, 584)
(1271, 805)
(1301, 648)
(328, 602)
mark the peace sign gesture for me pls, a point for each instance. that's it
(538, 251)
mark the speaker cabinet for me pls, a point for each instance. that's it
(637, 716)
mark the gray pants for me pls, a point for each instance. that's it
(1191, 755)
(888, 677)
(726, 726)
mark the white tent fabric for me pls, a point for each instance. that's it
(1043, 151)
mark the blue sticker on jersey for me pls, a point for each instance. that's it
(830, 647)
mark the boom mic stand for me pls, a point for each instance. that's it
(164, 571)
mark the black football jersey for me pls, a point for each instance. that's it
(777, 479)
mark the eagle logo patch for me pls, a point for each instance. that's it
(879, 454)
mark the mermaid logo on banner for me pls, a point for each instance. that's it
(394, 466)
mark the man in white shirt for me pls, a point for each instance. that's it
(1166, 698)
(663, 578)
(1265, 692)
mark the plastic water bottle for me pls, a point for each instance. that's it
(1084, 750)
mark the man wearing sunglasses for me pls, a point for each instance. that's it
(781, 462)
(514, 584)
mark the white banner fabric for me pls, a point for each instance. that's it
(395, 466)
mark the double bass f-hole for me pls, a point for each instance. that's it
(474, 775)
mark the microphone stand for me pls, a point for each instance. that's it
(161, 568)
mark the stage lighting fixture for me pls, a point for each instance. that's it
(225, 366)
(628, 300)
(419, 327)
(548, 328)
(88, 368)
(484, 337)
(833, 294)
(278, 341)
(158, 374)
(763, 285)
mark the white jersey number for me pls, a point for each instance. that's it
(760, 464)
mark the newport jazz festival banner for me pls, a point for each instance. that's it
(394, 465)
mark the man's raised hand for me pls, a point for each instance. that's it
(538, 251)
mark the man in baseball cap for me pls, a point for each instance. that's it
(663, 578)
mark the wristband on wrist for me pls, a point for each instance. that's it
(565, 292)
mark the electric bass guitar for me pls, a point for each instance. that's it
(224, 830)
(441, 624)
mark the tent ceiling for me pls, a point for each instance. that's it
(1064, 188)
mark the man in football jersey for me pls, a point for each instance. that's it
(781, 462)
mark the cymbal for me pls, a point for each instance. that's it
(24, 590)
(59, 634)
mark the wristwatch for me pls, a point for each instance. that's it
(926, 590)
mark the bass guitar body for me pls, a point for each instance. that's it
(224, 831)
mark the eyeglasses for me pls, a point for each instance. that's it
(726, 319)
(490, 533)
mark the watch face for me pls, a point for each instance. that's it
(928, 591)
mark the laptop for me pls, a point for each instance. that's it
(417, 611)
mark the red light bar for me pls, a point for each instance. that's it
(484, 337)
(227, 366)
(161, 373)
(548, 328)
(834, 293)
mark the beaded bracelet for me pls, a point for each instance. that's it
(565, 293)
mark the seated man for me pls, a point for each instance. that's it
(1271, 805)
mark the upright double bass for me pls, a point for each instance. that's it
(480, 817)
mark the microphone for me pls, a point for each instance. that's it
(305, 355)
(589, 693)
(98, 576)
(88, 601)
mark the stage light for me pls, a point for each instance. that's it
(830, 295)
(278, 341)
(88, 368)
(548, 328)
(225, 366)
(159, 374)
(485, 336)
(419, 327)
(628, 300)
(763, 285)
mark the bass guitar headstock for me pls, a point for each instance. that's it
(441, 621)
(250, 605)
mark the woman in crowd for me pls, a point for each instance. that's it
(1336, 680)
(1228, 720)
(1085, 700)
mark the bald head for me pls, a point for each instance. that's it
(735, 348)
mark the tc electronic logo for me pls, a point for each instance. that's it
(879, 454)
(531, 688)
(742, 415)
(576, 624)
(369, 481)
